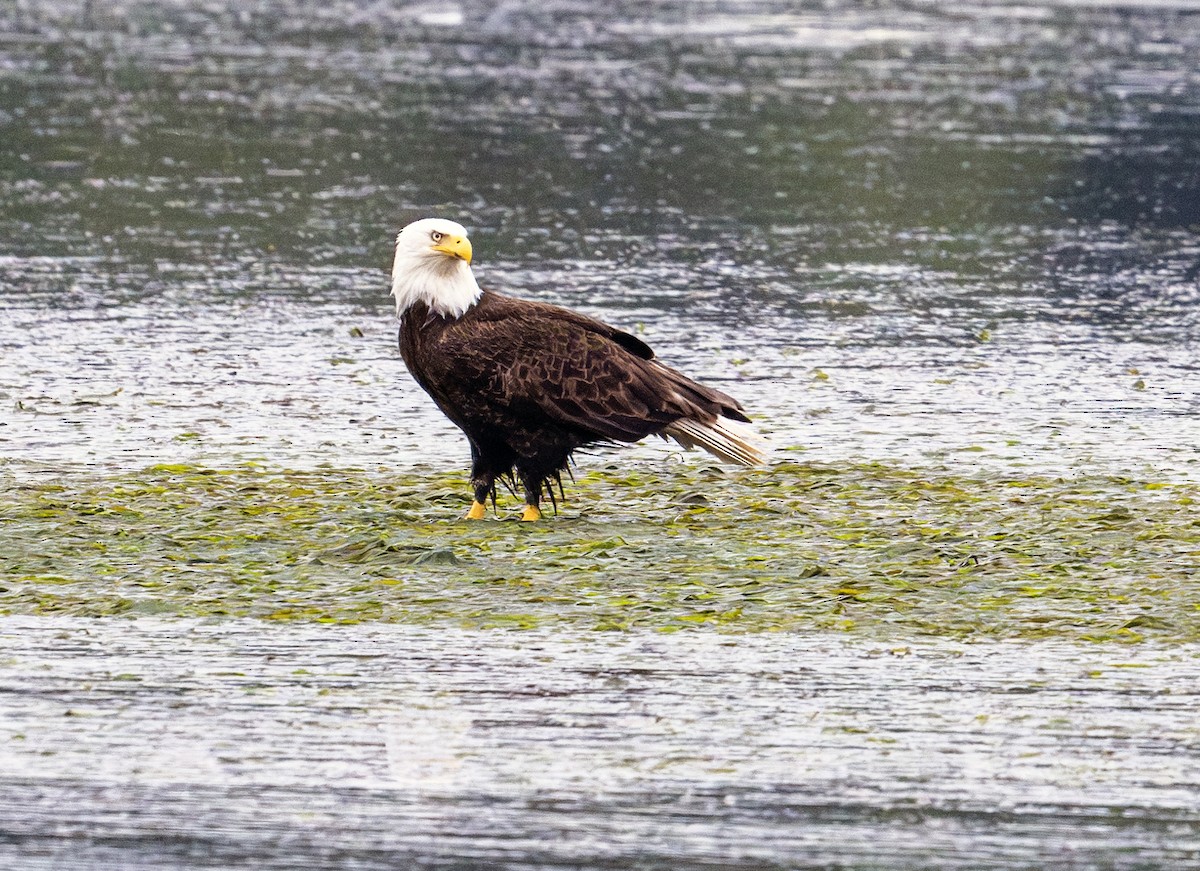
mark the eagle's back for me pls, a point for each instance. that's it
(543, 378)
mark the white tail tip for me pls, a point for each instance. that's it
(731, 440)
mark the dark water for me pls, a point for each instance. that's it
(932, 234)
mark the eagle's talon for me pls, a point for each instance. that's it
(477, 511)
(531, 512)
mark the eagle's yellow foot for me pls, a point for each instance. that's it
(531, 512)
(477, 512)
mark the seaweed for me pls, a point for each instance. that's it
(864, 549)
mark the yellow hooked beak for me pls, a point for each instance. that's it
(455, 246)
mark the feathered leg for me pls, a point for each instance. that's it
(483, 487)
(538, 477)
(535, 480)
(478, 509)
(533, 495)
(484, 473)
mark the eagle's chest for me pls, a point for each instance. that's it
(452, 359)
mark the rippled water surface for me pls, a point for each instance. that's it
(188, 745)
(929, 234)
(896, 233)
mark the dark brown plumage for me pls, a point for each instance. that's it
(529, 383)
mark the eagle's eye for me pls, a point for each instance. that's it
(435, 236)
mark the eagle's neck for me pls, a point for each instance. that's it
(447, 286)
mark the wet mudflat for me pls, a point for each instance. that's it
(946, 254)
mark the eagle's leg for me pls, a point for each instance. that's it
(539, 474)
(533, 495)
(483, 485)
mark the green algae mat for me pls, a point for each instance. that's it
(871, 550)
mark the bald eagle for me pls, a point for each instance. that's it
(529, 383)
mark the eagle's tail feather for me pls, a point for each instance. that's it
(725, 438)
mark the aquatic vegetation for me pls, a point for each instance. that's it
(863, 549)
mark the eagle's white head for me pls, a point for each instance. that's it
(433, 266)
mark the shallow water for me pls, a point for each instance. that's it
(932, 235)
(239, 744)
(906, 233)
